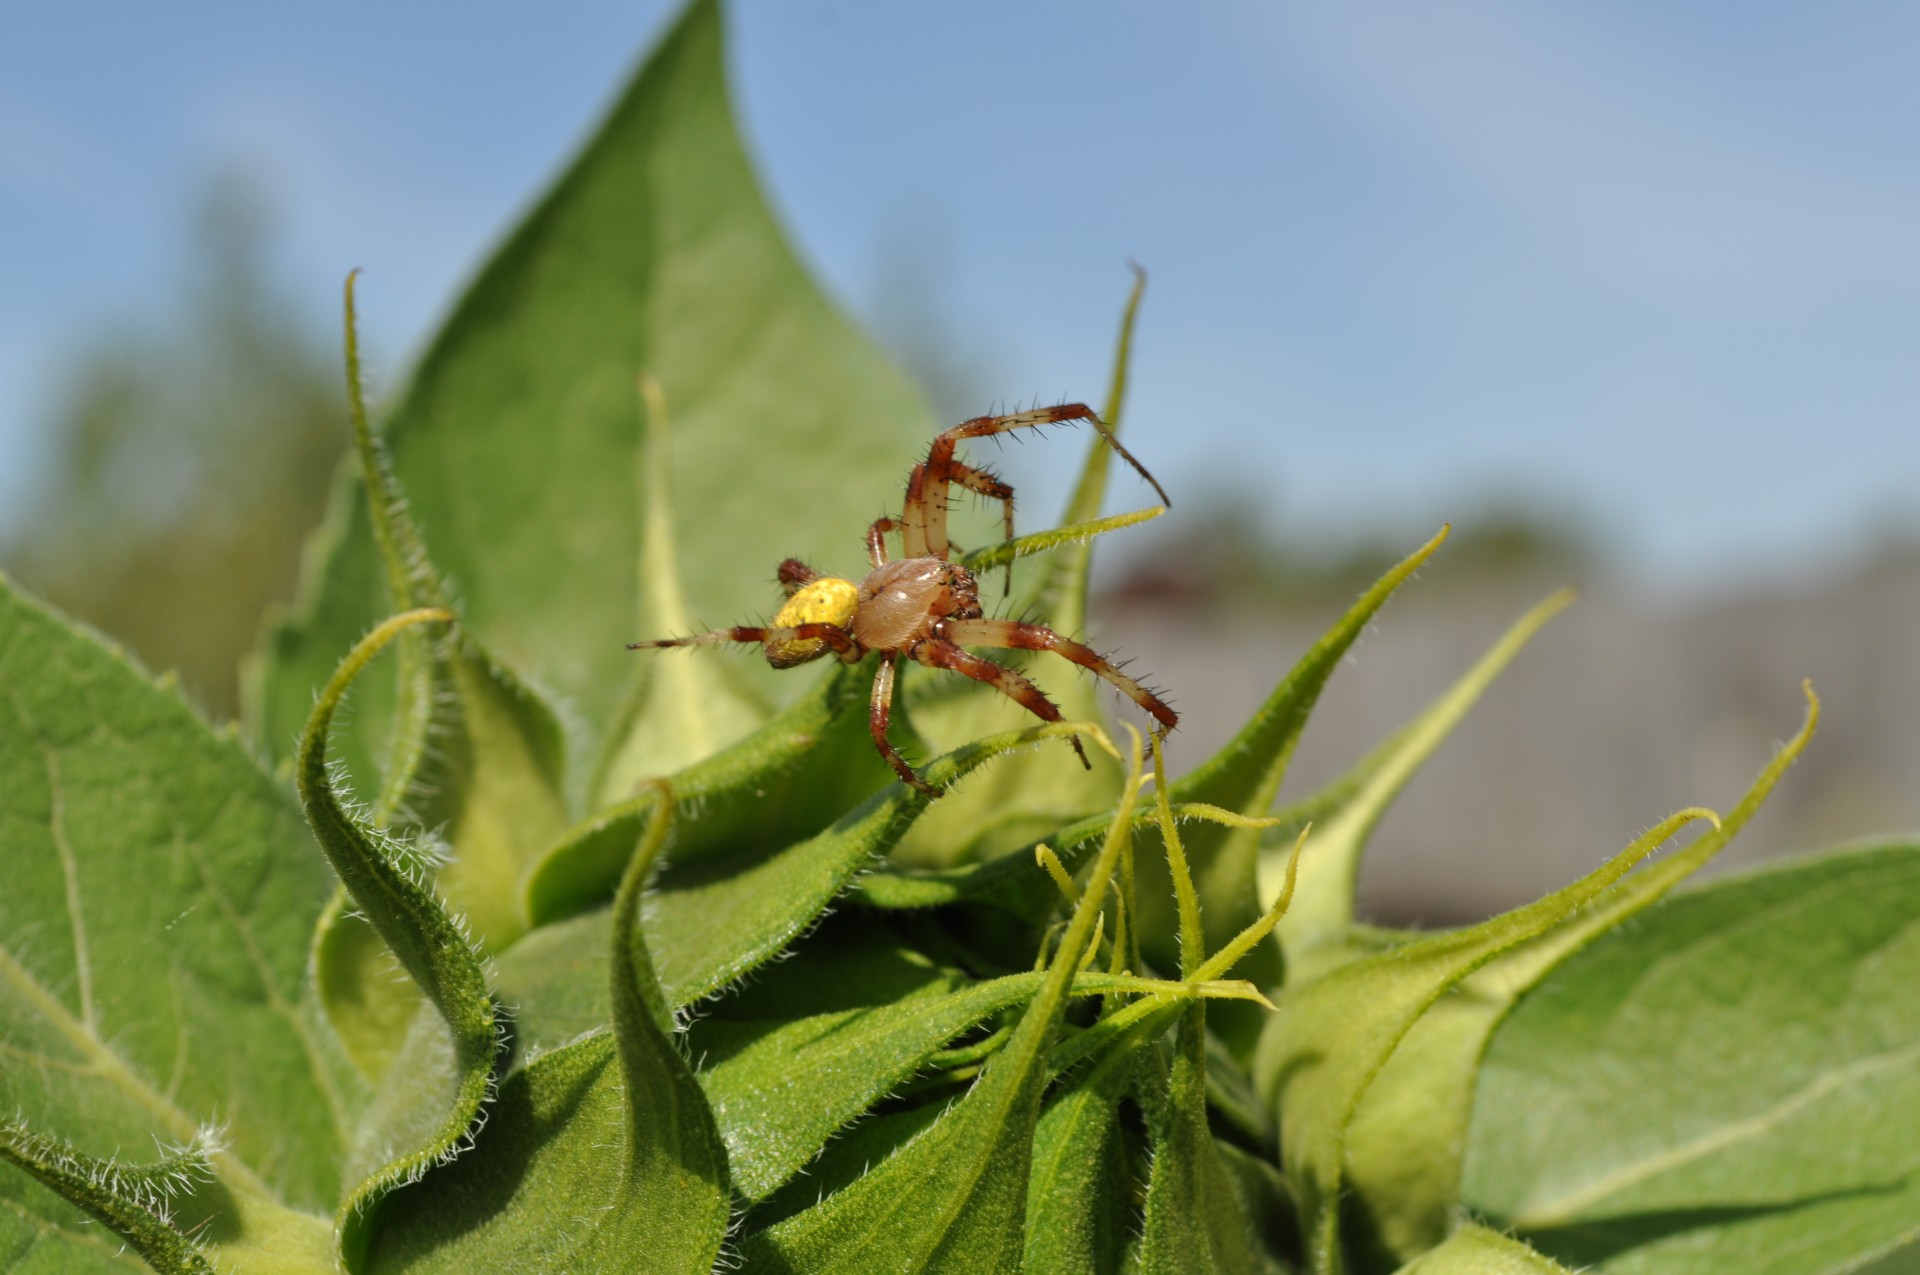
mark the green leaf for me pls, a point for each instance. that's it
(153, 933)
(583, 1165)
(1010, 882)
(954, 1198)
(1475, 1250)
(518, 436)
(425, 1110)
(847, 1159)
(1193, 1217)
(1406, 1138)
(369, 999)
(1067, 534)
(550, 1155)
(806, 1047)
(711, 921)
(676, 1201)
(472, 754)
(1267, 1200)
(1322, 910)
(1078, 1213)
(1317, 1058)
(1733, 1084)
(1235, 1103)
(678, 710)
(781, 1088)
(297, 645)
(783, 783)
(130, 1199)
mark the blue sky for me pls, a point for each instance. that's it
(1657, 266)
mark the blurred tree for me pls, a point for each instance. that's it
(1228, 556)
(191, 453)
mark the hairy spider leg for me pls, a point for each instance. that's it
(980, 481)
(1015, 635)
(938, 653)
(993, 487)
(923, 531)
(794, 574)
(877, 539)
(832, 634)
(880, 708)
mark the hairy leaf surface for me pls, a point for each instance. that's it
(782, 783)
(600, 1155)
(1193, 1217)
(1078, 1215)
(1740, 1072)
(781, 1089)
(1316, 1059)
(954, 1198)
(1407, 1137)
(159, 896)
(434, 1090)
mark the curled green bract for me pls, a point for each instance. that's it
(386, 879)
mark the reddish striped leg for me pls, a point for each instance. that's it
(793, 574)
(877, 539)
(935, 653)
(923, 521)
(878, 712)
(1013, 635)
(833, 635)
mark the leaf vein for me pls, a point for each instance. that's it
(1567, 1207)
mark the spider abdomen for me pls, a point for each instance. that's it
(822, 600)
(901, 601)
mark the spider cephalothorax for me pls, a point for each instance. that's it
(922, 606)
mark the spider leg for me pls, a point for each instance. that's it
(924, 519)
(1015, 635)
(876, 539)
(879, 710)
(993, 487)
(793, 574)
(738, 633)
(833, 635)
(942, 653)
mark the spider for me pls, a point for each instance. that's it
(924, 606)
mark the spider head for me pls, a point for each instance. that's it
(822, 600)
(965, 594)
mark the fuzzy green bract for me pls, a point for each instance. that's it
(495, 946)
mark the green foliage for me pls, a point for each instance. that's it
(1475, 1250)
(586, 960)
(1738, 1070)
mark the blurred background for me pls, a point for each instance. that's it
(1628, 293)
